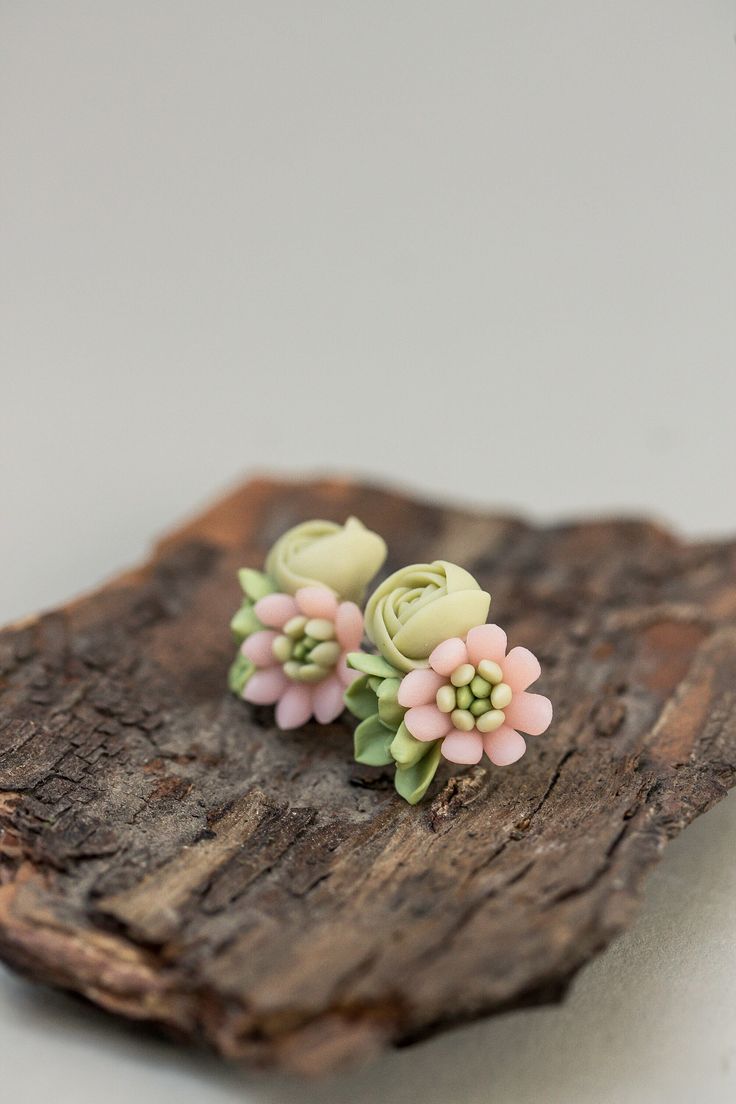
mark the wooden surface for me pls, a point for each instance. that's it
(165, 852)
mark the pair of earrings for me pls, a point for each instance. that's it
(440, 683)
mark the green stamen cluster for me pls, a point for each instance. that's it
(475, 697)
(307, 649)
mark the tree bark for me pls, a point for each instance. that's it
(171, 856)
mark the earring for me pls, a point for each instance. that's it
(442, 683)
(300, 618)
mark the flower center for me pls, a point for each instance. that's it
(475, 697)
(307, 649)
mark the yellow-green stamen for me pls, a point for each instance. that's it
(490, 671)
(446, 700)
(463, 674)
(490, 721)
(501, 696)
(463, 720)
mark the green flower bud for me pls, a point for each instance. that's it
(417, 608)
(321, 553)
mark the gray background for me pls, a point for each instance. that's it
(483, 249)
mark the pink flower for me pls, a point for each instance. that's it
(474, 696)
(300, 655)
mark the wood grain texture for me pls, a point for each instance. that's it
(171, 856)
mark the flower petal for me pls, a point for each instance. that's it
(327, 698)
(275, 610)
(486, 642)
(532, 713)
(504, 746)
(448, 655)
(258, 648)
(420, 688)
(520, 669)
(295, 707)
(349, 626)
(425, 722)
(266, 686)
(317, 601)
(462, 747)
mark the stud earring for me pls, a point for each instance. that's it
(300, 617)
(443, 683)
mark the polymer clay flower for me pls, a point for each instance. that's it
(418, 607)
(474, 698)
(321, 553)
(340, 558)
(297, 662)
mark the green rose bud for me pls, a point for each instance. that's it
(342, 557)
(417, 608)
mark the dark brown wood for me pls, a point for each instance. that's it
(171, 856)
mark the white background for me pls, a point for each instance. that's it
(485, 249)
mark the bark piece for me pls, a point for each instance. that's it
(167, 853)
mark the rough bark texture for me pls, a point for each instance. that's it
(171, 856)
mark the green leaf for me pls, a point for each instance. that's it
(372, 665)
(406, 749)
(254, 583)
(389, 689)
(412, 782)
(245, 622)
(360, 699)
(390, 712)
(372, 740)
(239, 673)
